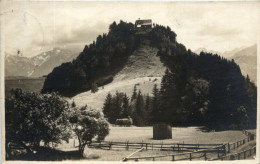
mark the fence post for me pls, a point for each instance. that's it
(244, 141)
(205, 155)
(190, 157)
(234, 146)
(218, 152)
(228, 148)
(153, 158)
(127, 147)
(172, 157)
(238, 156)
(245, 154)
(224, 149)
(110, 145)
(250, 152)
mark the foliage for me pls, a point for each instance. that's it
(33, 117)
(96, 63)
(203, 89)
(94, 88)
(88, 123)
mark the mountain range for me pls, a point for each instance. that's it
(37, 66)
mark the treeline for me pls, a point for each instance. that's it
(203, 89)
(119, 106)
(96, 64)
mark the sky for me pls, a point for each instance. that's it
(34, 27)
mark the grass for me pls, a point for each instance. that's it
(138, 134)
(67, 151)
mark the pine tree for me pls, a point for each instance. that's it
(169, 98)
(126, 107)
(139, 109)
(155, 104)
(134, 94)
(147, 103)
(117, 110)
(108, 106)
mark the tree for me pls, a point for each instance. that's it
(32, 117)
(147, 103)
(94, 88)
(139, 110)
(134, 93)
(87, 124)
(155, 104)
(108, 105)
(126, 107)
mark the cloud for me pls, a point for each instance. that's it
(219, 32)
(218, 26)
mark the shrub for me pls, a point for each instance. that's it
(87, 124)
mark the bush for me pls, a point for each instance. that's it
(87, 124)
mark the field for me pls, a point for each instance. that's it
(144, 134)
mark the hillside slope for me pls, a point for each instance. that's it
(143, 69)
(247, 60)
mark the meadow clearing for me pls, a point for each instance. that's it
(191, 135)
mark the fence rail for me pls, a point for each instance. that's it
(180, 147)
(186, 156)
(240, 155)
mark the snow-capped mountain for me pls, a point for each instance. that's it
(38, 65)
(18, 66)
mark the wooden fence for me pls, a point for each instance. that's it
(178, 147)
(220, 150)
(185, 151)
(240, 155)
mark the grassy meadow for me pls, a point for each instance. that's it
(192, 135)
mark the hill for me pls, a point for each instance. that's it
(196, 89)
(247, 60)
(38, 65)
(143, 68)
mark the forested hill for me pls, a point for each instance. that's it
(97, 63)
(202, 88)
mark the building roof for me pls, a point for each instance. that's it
(143, 22)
